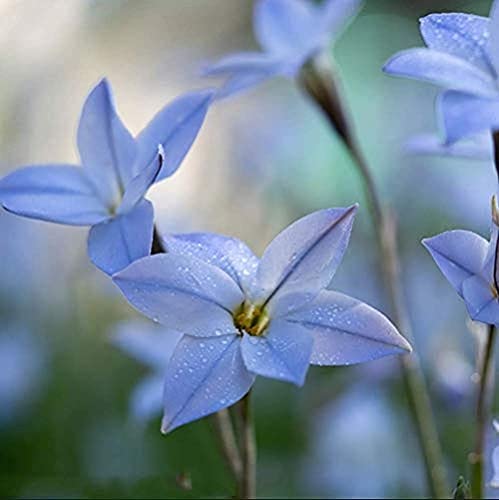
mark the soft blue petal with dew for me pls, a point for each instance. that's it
(203, 377)
(107, 149)
(459, 255)
(229, 254)
(54, 193)
(442, 69)
(116, 243)
(494, 35)
(182, 293)
(462, 35)
(464, 115)
(347, 331)
(282, 353)
(303, 258)
(174, 127)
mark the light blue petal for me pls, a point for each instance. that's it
(182, 293)
(229, 254)
(283, 352)
(54, 193)
(458, 254)
(146, 401)
(203, 377)
(107, 149)
(242, 62)
(494, 35)
(482, 305)
(283, 26)
(464, 115)
(174, 127)
(494, 482)
(147, 342)
(114, 244)
(334, 16)
(303, 258)
(139, 185)
(462, 35)
(346, 331)
(441, 69)
(478, 147)
(489, 264)
(244, 81)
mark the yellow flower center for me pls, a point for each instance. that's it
(251, 319)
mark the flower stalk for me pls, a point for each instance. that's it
(320, 81)
(485, 381)
(247, 483)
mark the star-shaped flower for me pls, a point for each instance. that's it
(108, 192)
(290, 32)
(470, 263)
(462, 56)
(242, 317)
(153, 346)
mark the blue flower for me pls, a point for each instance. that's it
(153, 346)
(290, 32)
(242, 317)
(470, 263)
(462, 56)
(108, 192)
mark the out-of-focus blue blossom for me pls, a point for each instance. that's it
(153, 346)
(478, 147)
(22, 371)
(462, 56)
(290, 32)
(244, 317)
(108, 192)
(361, 423)
(469, 262)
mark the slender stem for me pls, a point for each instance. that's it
(485, 381)
(320, 81)
(226, 437)
(247, 484)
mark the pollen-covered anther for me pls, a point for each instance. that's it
(251, 319)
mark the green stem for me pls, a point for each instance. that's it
(247, 484)
(483, 407)
(226, 437)
(320, 81)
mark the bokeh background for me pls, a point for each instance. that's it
(261, 160)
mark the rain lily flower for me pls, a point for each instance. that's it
(462, 56)
(242, 317)
(153, 346)
(290, 32)
(470, 263)
(108, 192)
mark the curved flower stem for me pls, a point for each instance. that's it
(247, 484)
(225, 431)
(319, 80)
(476, 458)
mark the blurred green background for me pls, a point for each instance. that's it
(262, 160)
